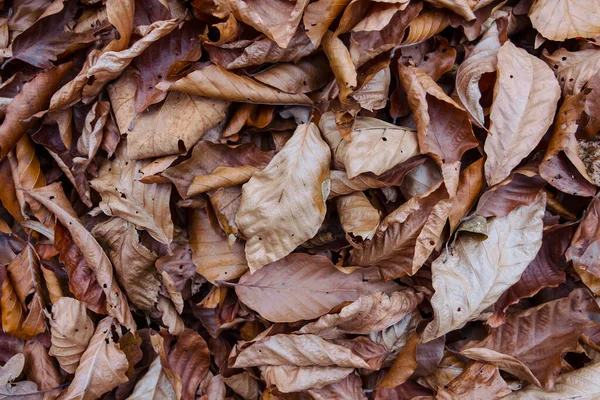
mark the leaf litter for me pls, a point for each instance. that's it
(274, 199)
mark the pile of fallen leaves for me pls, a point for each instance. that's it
(300, 199)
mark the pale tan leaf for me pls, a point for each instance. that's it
(525, 99)
(319, 15)
(55, 291)
(349, 388)
(71, 330)
(217, 83)
(374, 94)
(357, 215)
(306, 286)
(156, 384)
(369, 313)
(123, 195)
(477, 381)
(460, 7)
(221, 177)
(214, 258)
(308, 74)
(573, 68)
(133, 262)
(565, 19)
(12, 368)
(289, 378)
(102, 367)
(40, 367)
(426, 25)
(341, 64)
(475, 273)
(91, 137)
(244, 385)
(374, 146)
(297, 350)
(284, 204)
(172, 127)
(54, 199)
(482, 60)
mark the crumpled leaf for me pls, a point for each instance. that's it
(308, 287)
(524, 84)
(474, 274)
(40, 367)
(356, 154)
(279, 192)
(544, 332)
(158, 383)
(476, 381)
(123, 195)
(573, 68)
(565, 19)
(348, 388)
(102, 367)
(357, 215)
(189, 359)
(583, 250)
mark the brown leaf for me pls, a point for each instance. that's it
(217, 83)
(475, 273)
(562, 167)
(350, 388)
(516, 127)
(12, 311)
(583, 250)
(426, 25)
(33, 98)
(71, 330)
(520, 188)
(221, 177)
(91, 138)
(404, 365)
(189, 359)
(172, 127)
(470, 185)
(244, 385)
(405, 238)
(565, 19)
(573, 68)
(319, 15)
(460, 7)
(541, 335)
(53, 198)
(477, 381)
(356, 154)
(40, 367)
(357, 215)
(91, 380)
(214, 257)
(289, 378)
(546, 270)
(369, 313)
(293, 187)
(310, 73)
(133, 262)
(341, 64)
(123, 195)
(307, 286)
(443, 127)
(159, 382)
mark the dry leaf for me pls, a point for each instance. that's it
(565, 19)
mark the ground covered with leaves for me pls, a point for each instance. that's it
(300, 199)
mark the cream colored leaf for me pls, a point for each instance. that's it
(133, 262)
(169, 316)
(566, 19)
(12, 368)
(221, 177)
(284, 204)
(172, 127)
(357, 215)
(91, 137)
(306, 287)
(374, 146)
(525, 99)
(217, 83)
(374, 95)
(289, 378)
(102, 367)
(123, 195)
(370, 312)
(475, 273)
(111, 64)
(54, 199)
(297, 350)
(157, 384)
(573, 68)
(71, 330)
(214, 258)
(483, 59)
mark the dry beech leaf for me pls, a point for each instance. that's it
(319, 15)
(341, 64)
(544, 332)
(561, 166)
(308, 287)
(172, 127)
(124, 196)
(281, 191)
(460, 7)
(52, 197)
(214, 257)
(483, 59)
(12, 368)
(369, 313)
(573, 68)
(348, 388)
(71, 330)
(475, 273)
(308, 74)
(40, 367)
(189, 359)
(159, 382)
(477, 381)
(426, 25)
(583, 250)
(102, 366)
(470, 185)
(357, 215)
(525, 99)
(133, 262)
(221, 177)
(217, 83)
(290, 378)
(443, 126)
(565, 19)
(373, 145)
